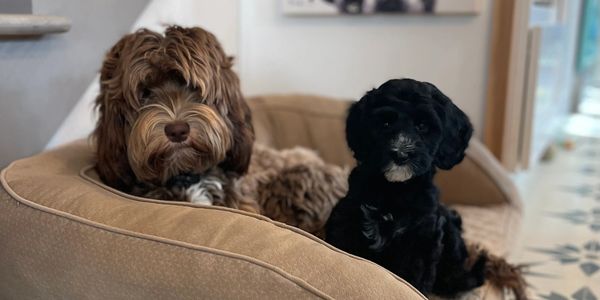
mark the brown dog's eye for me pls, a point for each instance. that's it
(143, 96)
(422, 128)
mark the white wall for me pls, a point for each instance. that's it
(344, 56)
(339, 56)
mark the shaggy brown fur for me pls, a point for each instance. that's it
(149, 81)
(294, 186)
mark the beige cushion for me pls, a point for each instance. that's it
(315, 122)
(64, 236)
(495, 227)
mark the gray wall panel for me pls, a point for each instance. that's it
(42, 78)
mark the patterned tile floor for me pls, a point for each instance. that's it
(560, 237)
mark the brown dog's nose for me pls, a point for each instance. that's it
(177, 131)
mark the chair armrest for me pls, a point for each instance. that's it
(479, 180)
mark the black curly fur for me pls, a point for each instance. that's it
(398, 221)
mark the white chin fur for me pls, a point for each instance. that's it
(396, 173)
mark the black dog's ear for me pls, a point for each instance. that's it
(456, 132)
(355, 131)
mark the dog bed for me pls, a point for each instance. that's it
(66, 235)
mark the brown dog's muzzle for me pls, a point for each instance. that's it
(175, 138)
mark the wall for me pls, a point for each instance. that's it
(42, 78)
(15, 7)
(344, 56)
(339, 56)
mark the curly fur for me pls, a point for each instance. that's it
(149, 81)
(294, 186)
(399, 134)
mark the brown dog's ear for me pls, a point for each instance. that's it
(456, 131)
(109, 136)
(112, 59)
(111, 149)
(238, 113)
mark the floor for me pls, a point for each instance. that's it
(560, 238)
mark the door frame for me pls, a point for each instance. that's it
(506, 77)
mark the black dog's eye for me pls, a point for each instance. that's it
(422, 128)
(386, 117)
(388, 121)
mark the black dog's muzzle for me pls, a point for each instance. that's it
(398, 157)
(401, 149)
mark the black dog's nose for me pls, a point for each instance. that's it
(399, 157)
(177, 131)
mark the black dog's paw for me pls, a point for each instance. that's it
(183, 181)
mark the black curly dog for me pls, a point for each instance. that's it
(399, 133)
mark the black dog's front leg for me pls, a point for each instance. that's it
(344, 229)
(436, 250)
(417, 253)
(454, 276)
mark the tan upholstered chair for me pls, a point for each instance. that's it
(64, 235)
